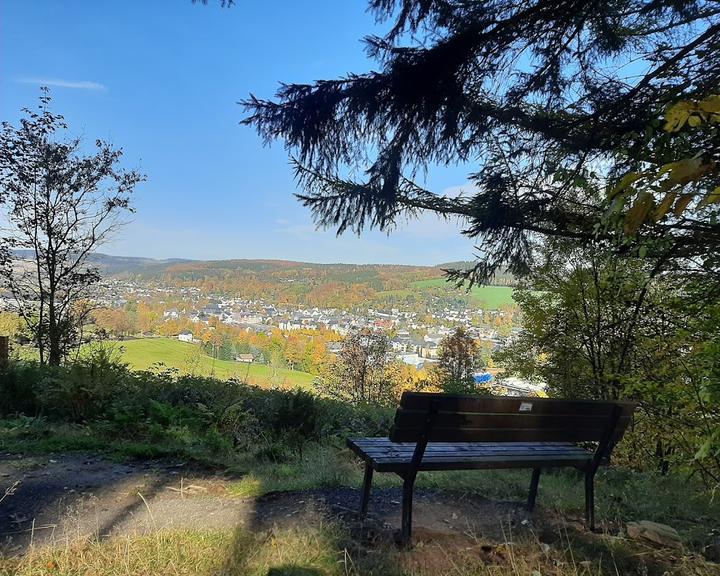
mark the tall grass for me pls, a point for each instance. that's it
(329, 550)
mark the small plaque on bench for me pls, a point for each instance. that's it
(525, 406)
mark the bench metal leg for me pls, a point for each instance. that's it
(407, 501)
(532, 495)
(367, 483)
(590, 499)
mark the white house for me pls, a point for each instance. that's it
(185, 336)
(413, 360)
(171, 314)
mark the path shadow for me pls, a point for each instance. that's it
(51, 496)
(447, 520)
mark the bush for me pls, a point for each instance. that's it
(201, 413)
(19, 388)
(84, 390)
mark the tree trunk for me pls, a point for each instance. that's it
(54, 335)
(54, 352)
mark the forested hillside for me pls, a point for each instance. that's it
(325, 285)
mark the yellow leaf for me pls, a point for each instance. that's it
(710, 104)
(639, 211)
(681, 204)
(686, 170)
(712, 198)
(694, 121)
(664, 205)
(677, 115)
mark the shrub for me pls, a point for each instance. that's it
(190, 411)
(84, 389)
(19, 387)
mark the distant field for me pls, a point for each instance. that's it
(189, 358)
(494, 297)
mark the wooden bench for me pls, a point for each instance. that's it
(452, 432)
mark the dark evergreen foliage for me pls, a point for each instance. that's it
(546, 101)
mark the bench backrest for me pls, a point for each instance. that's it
(456, 418)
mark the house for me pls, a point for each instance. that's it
(245, 318)
(412, 360)
(171, 314)
(398, 345)
(246, 358)
(185, 336)
(257, 328)
(212, 310)
(430, 350)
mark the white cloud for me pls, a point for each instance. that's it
(59, 83)
(467, 189)
(430, 226)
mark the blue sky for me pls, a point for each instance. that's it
(162, 79)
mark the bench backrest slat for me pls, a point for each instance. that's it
(508, 419)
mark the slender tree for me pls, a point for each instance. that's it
(457, 361)
(60, 206)
(360, 375)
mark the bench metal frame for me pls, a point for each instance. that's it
(614, 420)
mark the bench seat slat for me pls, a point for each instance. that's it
(490, 449)
(380, 440)
(436, 466)
(409, 449)
(385, 455)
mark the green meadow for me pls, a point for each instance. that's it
(187, 358)
(492, 297)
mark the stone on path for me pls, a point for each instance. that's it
(654, 533)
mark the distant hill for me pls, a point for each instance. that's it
(459, 265)
(113, 265)
(341, 286)
(289, 282)
(502, 277)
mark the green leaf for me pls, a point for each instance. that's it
(625, 181)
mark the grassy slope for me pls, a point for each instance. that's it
(494, 297)
(189, 358)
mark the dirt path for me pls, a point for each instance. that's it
(64, 496)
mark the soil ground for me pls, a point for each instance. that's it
(51, 498)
